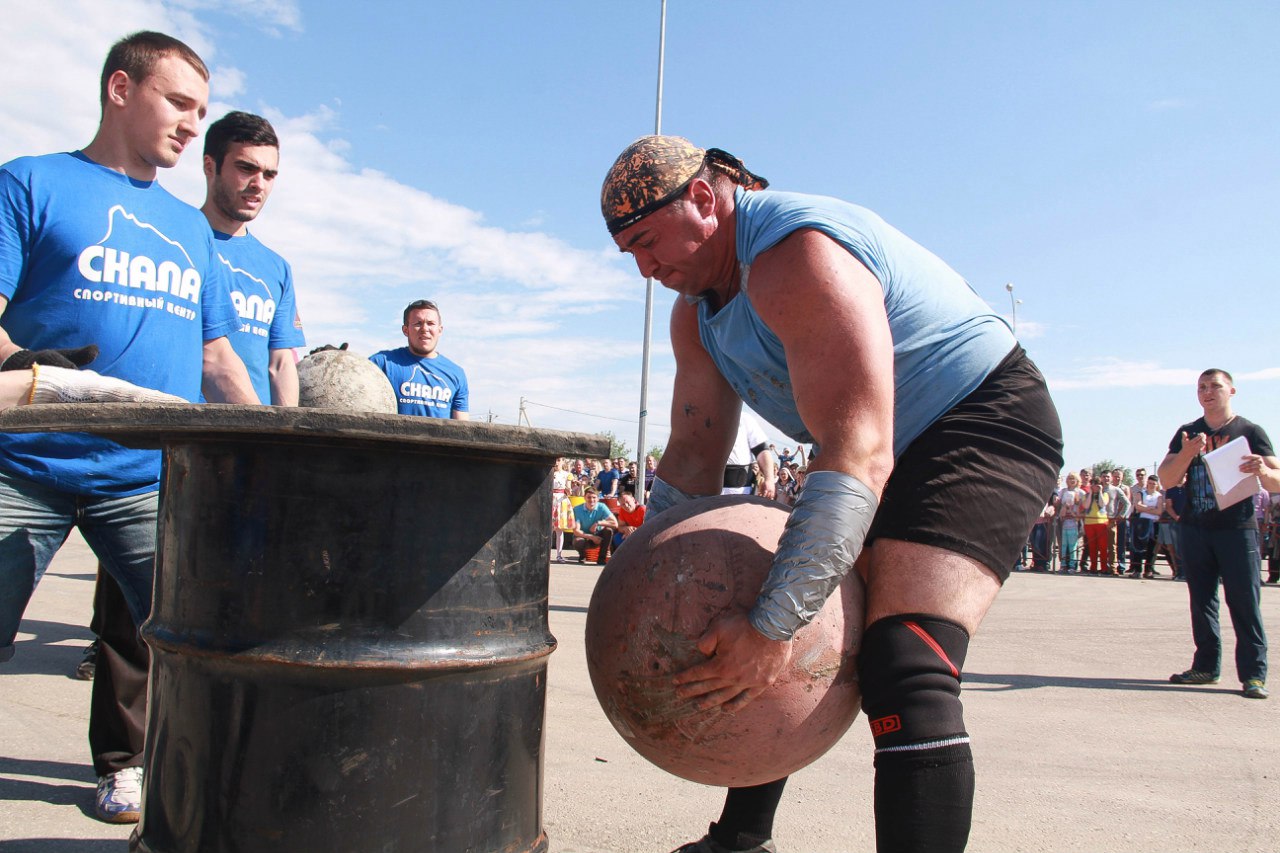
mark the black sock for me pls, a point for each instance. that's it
(750, 811)
(924, 800)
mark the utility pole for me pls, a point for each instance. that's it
(648, 282)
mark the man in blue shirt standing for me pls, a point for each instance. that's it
(93, 251)
(426, 383)
(241, 161)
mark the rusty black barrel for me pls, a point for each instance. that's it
(349, 630)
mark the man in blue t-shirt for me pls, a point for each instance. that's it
(897, 377)
(426, 383)
(93, 251)
(241, 161)
(607, 479)
(593, 525)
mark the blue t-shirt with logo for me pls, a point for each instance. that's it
(425, 386)
(262, 291)
(587, 518)
(91, 256)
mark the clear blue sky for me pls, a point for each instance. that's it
(1116, 162)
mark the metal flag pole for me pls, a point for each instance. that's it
(648, 285)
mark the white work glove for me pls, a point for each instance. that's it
(60, 385)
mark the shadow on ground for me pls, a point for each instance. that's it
(1001, 682)
(67, 785)
(45, 654)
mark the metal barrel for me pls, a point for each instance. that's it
(349, 632)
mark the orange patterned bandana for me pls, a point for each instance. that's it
(654, 170)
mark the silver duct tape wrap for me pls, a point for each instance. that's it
(664, 496)
(823, 537)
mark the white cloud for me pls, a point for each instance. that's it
(225, 82)
(362, 243)
(270, 13)
(1264, 375)
(1119, 373)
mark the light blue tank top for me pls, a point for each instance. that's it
(946, 340)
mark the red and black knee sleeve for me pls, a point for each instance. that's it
(909, 666)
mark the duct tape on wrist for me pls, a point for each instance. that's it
(822, 539)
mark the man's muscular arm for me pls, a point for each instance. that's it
(225, 377)
(283, 371)
(850, 415)
(704, 412)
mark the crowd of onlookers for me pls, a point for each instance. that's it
(595, 507)
(1106, 523)
(1097, 523)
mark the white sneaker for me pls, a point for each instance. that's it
(119, 797)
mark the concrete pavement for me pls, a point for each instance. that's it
(1080, 741)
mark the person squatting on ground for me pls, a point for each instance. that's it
(912, 392)
(151, 299)
(593, 526)
(630, 517)
(1221, 544)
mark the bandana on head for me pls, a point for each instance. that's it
(654, 170)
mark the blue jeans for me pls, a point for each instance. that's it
(34, 522)
(1070, 544)
(1232, 555)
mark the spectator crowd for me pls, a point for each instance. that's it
(1111, 523)
(594, 502)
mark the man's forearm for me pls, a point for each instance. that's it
(284, 378)
(225, 379)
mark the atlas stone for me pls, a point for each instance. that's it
(340, 379)
(657, 596)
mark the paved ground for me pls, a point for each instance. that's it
(1081, 742)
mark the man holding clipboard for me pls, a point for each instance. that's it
(1224, 456)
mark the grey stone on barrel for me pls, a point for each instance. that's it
(341, 379)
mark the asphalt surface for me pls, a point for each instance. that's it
(1081, 743)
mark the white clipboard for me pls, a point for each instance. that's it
(1230, 484)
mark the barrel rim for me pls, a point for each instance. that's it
(158, 424)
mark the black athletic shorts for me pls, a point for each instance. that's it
(977, 479)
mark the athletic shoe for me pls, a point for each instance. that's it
(1255, 688)
(707, 844)
(119, 797)
(89, 665)
(559, 559)
(1194, 676)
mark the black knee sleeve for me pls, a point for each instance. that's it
(909, 669)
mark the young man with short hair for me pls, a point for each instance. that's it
(426, 383)
(594, 524)
(1219, 544)
(94, 252)
(241, 161)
